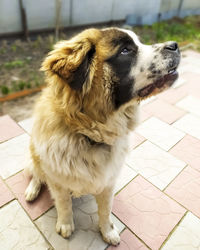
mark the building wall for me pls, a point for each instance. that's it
(41, 14)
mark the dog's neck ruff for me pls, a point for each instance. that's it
(92, 142)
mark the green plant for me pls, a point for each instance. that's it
(14, 48)
(184, 31)
(50, 42)
(14, 86)
(14, 64)
(2, 51)
(4, 90)
(36, 80)
(21, 85)
(28, 85)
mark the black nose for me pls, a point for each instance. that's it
(173, 46)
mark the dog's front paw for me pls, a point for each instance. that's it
(65, 230)
(111, 235)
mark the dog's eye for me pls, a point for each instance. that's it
(125, 51)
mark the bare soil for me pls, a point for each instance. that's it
(19, 109)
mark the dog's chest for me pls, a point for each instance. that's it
(83, 170)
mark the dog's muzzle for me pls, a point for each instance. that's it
(170, 49)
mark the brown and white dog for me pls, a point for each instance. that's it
(79, 141)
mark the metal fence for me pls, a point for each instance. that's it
(41, 14)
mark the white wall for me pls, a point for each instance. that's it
(190, 6)
(10, 20)
(91, 11)
(41, 13)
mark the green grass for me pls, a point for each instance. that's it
(184, 31)
(14, 64)
(14, 48)
(4, 90)
(2, 51)
(20, 85)
(17, 86)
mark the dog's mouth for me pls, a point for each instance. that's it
(161, 83)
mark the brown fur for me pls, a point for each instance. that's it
(79, 139)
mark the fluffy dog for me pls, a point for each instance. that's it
(79, 141)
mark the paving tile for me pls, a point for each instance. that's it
(17, 230)
(27, 125)
(192, 87)
(143, 115)
(135, 140)
(183, 62)
(189, 55)
(188, 150)
(18, 184)
(8, 128)
(164, 111)
(5, 194)
(186, 236)
(13, 155)
(86, 235)
(185, 188)
(156, 165)
(149, 213)
(160, 133)
(190, 67)
(126, 175)
(190, 104)
(190, 77)
(189, 124)
(179, 82)
(129, 242)
(172, 95)
(86, 204)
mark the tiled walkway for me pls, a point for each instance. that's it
(157, 202)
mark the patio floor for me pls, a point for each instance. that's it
(157, 202)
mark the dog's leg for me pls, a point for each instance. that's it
(107, 228)
(63, 203)
(33, 170)
(33, 189)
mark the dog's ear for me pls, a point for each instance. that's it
(70, 60)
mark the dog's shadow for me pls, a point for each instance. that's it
(86, 234)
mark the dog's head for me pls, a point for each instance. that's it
(112, 67)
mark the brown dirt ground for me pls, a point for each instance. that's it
(19, 69)
(19, 109)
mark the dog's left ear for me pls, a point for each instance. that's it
(71, 60)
